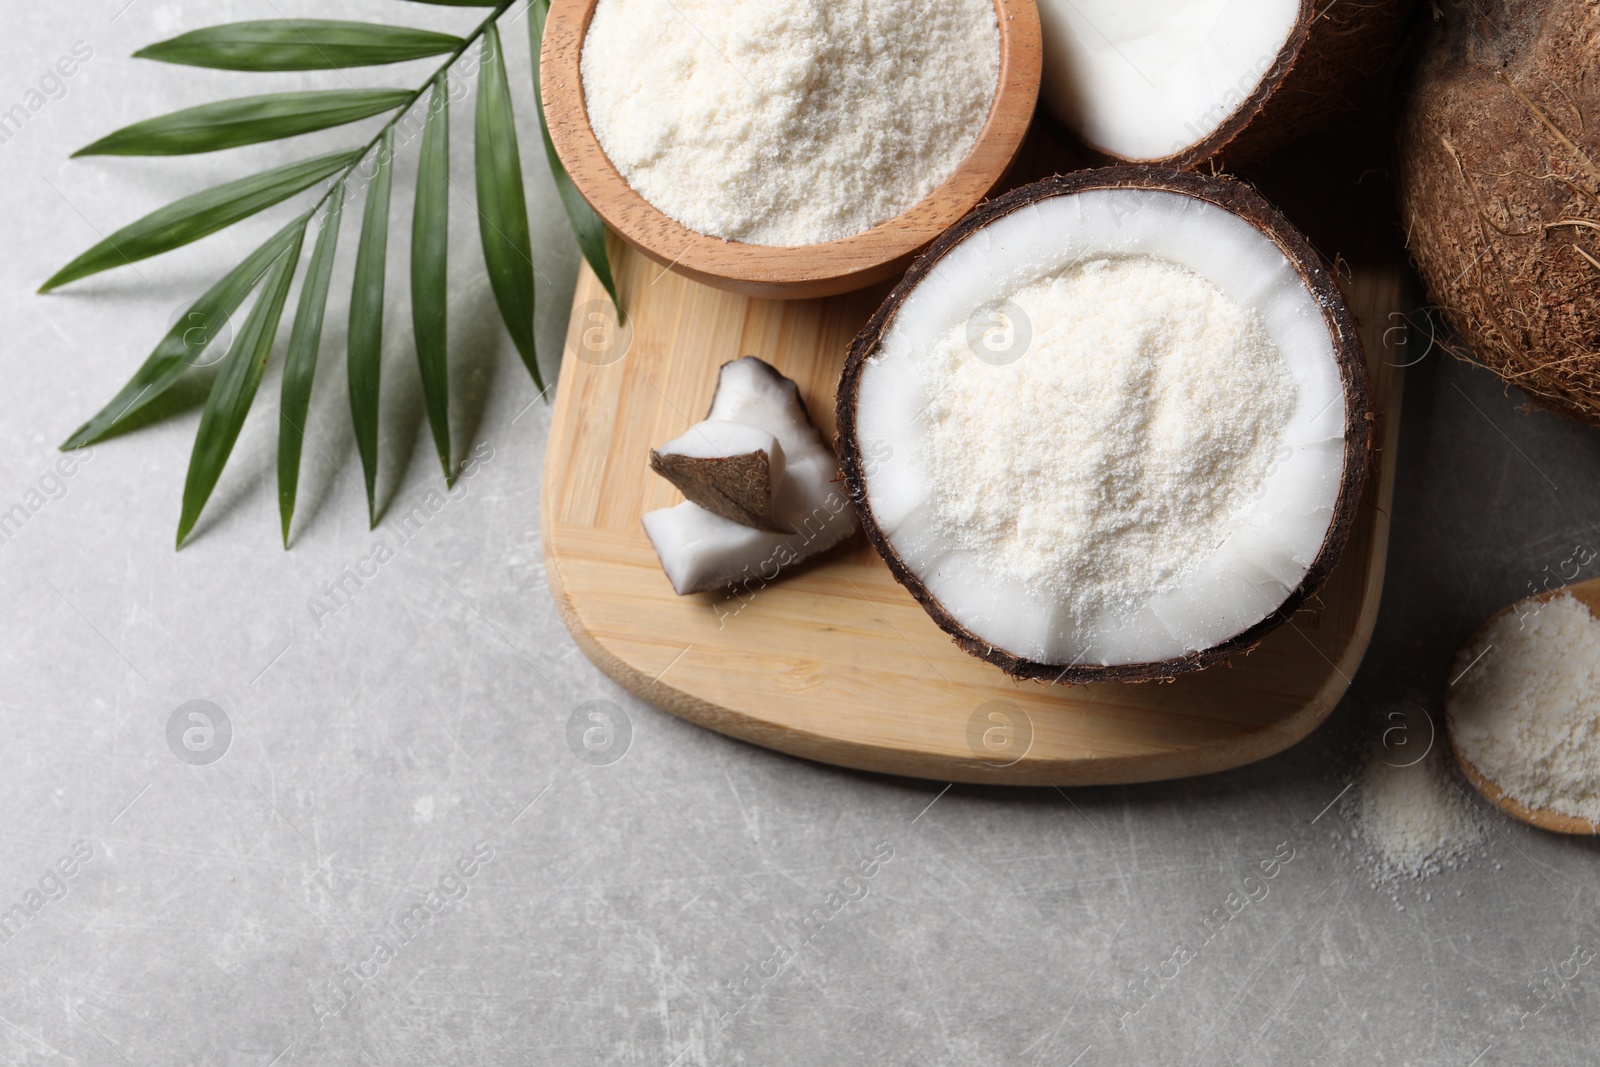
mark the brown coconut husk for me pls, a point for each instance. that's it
(738, 488)
(1499, 186)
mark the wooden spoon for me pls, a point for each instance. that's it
(1587, 593)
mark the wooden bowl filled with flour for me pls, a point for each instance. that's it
(784, 151)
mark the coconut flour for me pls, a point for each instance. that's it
(1411, 818)
(1103, 460)
(1525, 708)
(779, 123)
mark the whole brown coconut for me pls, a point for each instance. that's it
(1500, 191)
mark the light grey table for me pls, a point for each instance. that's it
(653, 910)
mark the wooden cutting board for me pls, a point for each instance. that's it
(836, 662)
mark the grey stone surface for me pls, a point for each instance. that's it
(647, 910)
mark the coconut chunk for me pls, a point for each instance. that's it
(728, 468)
(753, 392)
(702, 549)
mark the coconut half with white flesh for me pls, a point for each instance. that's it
(725, 535)
(1176, 82)
(1118, 425)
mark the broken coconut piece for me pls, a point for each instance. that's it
(1127, 423)
(728, 468)
(701, 550)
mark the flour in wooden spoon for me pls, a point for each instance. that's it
(1109, 458)
(1525, 709)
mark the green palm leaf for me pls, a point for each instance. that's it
(502, 206)
(365, 356)
(430, 247)
(304, 341)
(586, 225)
(196, 216)
(299, 44)
(248, 120)
(176, 354)
(319, 44)
(235, 387)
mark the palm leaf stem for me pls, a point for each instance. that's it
(449, 61)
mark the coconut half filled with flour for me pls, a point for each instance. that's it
(1126, 421)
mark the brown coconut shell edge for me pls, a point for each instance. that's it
(1334, 51)
(1232, 196)
(737, 488)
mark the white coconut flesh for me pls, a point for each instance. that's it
(719, 438)
(1262, 550)
(1144, 80)
(700, 551)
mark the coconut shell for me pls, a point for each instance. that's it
(1233, 196)
(1499, 189)
(1338, 51)
(738, 488)
(1342, 51)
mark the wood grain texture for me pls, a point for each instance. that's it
(807, 271)
(1588, 594)
(836, 662)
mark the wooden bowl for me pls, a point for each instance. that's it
(802, 271)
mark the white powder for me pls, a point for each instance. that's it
(780, 123)
(1527, 712)
(1106, 462)
(1412, 821)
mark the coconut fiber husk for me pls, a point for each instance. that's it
(1500, 189)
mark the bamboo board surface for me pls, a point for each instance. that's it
(836, 662)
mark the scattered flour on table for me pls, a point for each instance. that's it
(780, 123)
(1412, 821)
(1526, 707)
(1143, 415)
